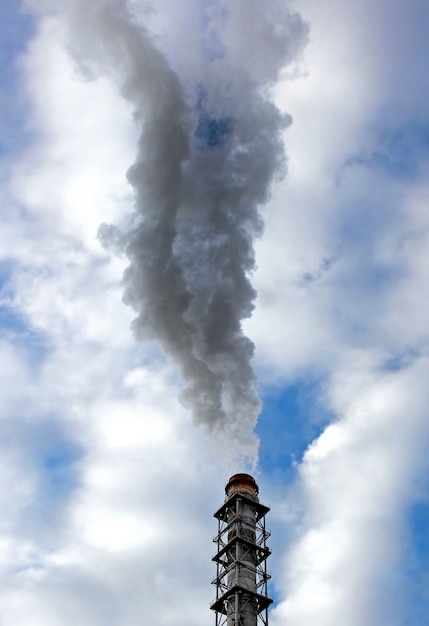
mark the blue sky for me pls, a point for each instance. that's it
(17, 29)
(107, 485)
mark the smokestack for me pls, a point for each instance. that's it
(241, 559)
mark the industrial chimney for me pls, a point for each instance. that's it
(241, 558)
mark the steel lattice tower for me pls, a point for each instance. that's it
(241, 558)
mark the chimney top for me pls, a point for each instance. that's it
(242, 483)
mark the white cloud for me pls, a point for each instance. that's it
(342, 297)
(106, 535)
(358, 479)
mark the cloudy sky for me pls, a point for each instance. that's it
(145, 312)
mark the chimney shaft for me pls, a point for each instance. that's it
(241, 576)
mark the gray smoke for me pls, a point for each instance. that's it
(209, 148)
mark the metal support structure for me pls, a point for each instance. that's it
(241, 558)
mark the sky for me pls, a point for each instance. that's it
(213, 258)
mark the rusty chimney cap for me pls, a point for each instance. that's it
(242, 483)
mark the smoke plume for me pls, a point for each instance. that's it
(209, 147)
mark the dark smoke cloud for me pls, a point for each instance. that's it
(209, 147)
